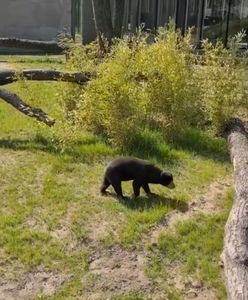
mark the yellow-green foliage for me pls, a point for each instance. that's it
(142, 85)
(84, 58)
(173, 99)
(115, 102)
(164, 85)
(222, 87)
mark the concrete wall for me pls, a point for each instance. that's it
(34, 19)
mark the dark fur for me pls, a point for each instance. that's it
(141, 172)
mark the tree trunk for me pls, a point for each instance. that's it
(24, 108)
(103, 21)
(118, 16)
(47, 47)
(235, 254)
(9, 76)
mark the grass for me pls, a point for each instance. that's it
(197, 245)
(34, 61)
(50, 204)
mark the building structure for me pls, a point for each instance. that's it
(212, 19)
(34, 19)
(44, 20)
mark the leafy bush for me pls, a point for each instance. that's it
(164, 86)
(173, 100)
(142, 85)
(222, 87)
(113, 103)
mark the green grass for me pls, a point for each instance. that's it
(197, 245)
(34, 61)
(45, 187)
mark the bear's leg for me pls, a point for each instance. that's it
(146, 188)
(117, 187)
(104, 186)
(136, 188)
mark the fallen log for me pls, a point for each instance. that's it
(9, 76)
(26, 109)
(235, 254)
(45, 46)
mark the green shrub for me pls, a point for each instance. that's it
(141, 85)
(173, 98)
(113, 103)
(222, 87)
(164, 86)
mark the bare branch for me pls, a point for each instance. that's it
(24, 108)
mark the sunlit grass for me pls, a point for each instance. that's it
(197, 245)
(34, 61)
(46, 185)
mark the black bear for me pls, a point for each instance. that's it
(141, 172)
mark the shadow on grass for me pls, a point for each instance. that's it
(38, 143)
(92, 147)
(143, 203)
(202, 143)
(84, 150)
(149, 145)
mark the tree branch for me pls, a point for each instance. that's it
(9, 76)
(24, 108)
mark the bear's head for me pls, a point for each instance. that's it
(167, 180)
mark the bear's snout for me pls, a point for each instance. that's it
(171, 185)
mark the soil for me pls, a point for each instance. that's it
(32, 284)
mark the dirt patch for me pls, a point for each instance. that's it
(33, 284)
(99, 229)
(120, 271)
(7, 160)
(63, 233)
(10, 159)
(35, 222)
(187, 286)
(101, 225)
